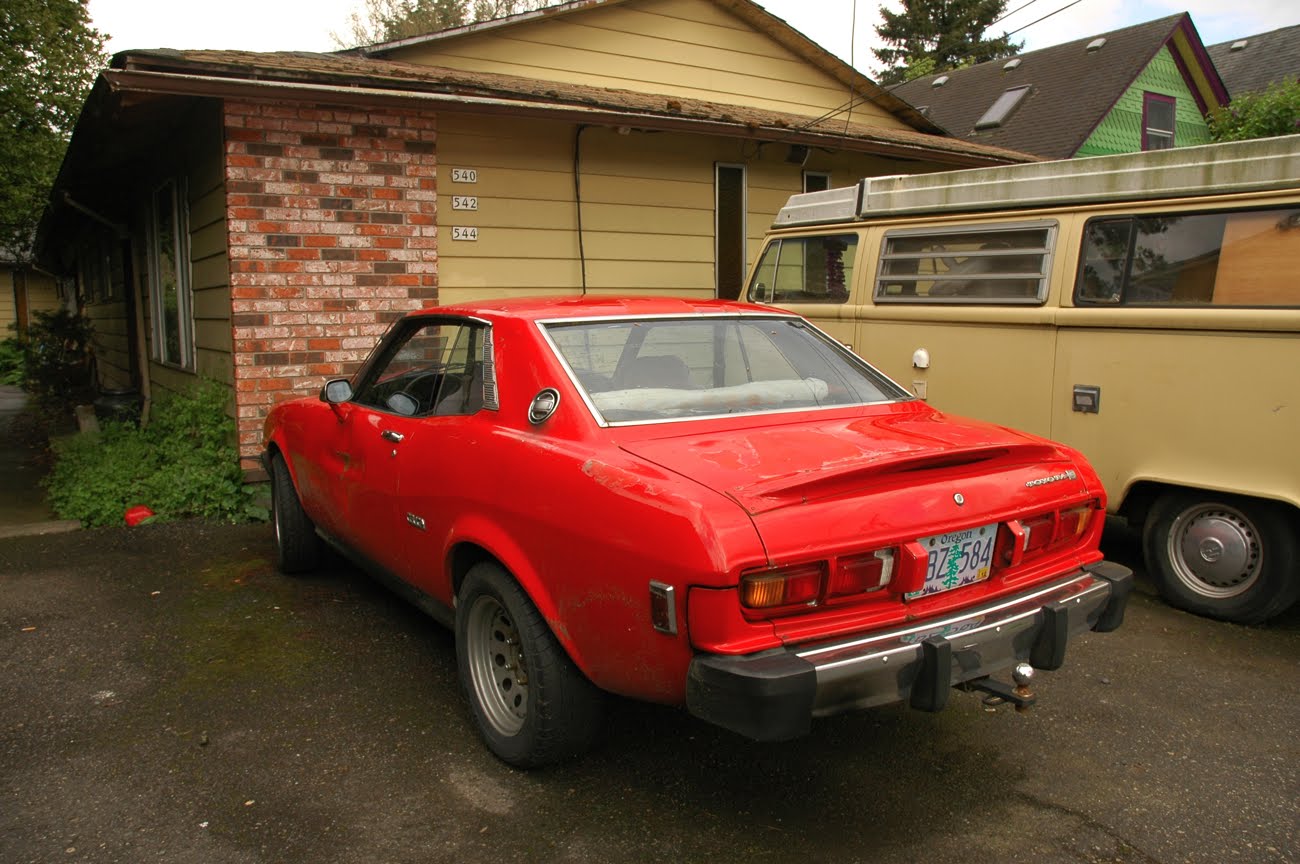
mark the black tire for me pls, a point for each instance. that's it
(296, 545)
(532, 705)
(1223, 556)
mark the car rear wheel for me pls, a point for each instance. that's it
(296, 544)
(1222, 555)
(533, 706)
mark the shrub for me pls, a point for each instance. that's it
(13, 367)
(1275, 111)
(183, 464)
(56, 359)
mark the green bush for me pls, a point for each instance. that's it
(183, 464)
(13, 366)
(1275, 111)
(56, 360)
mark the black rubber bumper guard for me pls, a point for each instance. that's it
(773, 696)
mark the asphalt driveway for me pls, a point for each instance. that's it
(167, 697)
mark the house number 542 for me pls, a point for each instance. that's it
(464, 202)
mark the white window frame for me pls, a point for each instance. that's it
(181, 254)
(825, 175)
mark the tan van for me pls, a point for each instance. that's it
(1143, 308)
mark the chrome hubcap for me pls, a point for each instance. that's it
(1215, 550)
(497, 670)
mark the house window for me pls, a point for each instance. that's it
(816, 181)
(1157, 121)
(729, 229)
(169, 277)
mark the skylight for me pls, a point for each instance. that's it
(940, 81)
(1095, 44)
(1011, 64)
(1001, 109)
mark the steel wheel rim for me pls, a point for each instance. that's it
(1215, 551)
(497, 670)
(275, 517)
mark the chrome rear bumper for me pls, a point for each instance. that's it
(774, 695)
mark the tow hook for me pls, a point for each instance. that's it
(999, 693)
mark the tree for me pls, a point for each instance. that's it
(1275, 111)
(389, 20)
(49, 57)
(950, 33)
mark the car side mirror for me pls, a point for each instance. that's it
(336, 391)
(762, 294)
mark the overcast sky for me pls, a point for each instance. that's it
(306, 25)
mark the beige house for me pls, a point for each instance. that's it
(23, 293)
(279, 210)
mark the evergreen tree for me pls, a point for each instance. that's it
(49, 57)
(947, 33)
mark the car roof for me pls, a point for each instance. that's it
(571, 306)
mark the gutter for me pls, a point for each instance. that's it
(217, 87)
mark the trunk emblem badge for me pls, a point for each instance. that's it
(959, 498)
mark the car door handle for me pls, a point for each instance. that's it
(390, 435)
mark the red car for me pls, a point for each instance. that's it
(698, 503)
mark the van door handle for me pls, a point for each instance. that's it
(390, 435)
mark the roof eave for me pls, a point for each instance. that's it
(958, 153)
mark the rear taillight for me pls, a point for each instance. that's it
(861, 574)
(782, 586)
(1020, 540)
(805, 586)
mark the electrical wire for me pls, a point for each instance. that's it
(1045, 17)
(1012, 12)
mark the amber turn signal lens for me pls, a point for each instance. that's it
(782, 586)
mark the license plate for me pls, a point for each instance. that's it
(957, 558)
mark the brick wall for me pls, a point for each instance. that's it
(330, 214)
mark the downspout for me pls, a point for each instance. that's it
(577, 199)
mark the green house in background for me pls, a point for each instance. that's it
(1145, 87)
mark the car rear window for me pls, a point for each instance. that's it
(650, 370)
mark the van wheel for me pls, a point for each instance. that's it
(296, 545)
(1222, 555)
(533, 707)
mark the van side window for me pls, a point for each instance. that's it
(805, 270)
(1004, 264)
(1191, 259)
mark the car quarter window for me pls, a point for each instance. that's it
(805, 270)
(648, 370)
(427, 367)
(968, 264)
(1241, 258)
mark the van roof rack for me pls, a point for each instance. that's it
(1213, 169)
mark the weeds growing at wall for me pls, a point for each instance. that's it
(183, 464)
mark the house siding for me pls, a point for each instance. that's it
(1121, 130)
(331, 238)
(667, 47)
(647, 205)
